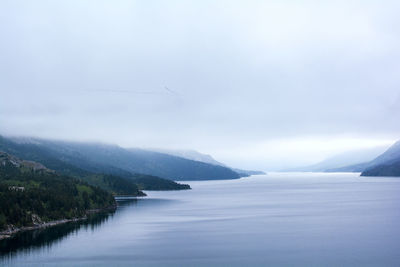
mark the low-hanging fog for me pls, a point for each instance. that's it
(256, 84)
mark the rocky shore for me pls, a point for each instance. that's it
(38, 224)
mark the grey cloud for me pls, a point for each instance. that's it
(207, 75)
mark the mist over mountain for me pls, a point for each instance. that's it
(387, 164)
(190, 154)
(384, 169)
(197, 156)
(109, 101)
(173, 167)
(112, 159)
(389, 156)
(257, 85)
(344, 160)
(72, 163)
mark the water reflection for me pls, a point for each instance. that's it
(275, 220)
(30, 241)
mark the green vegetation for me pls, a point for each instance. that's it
(30, 193)
(114, 184)
(147, 182)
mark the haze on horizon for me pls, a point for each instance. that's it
(256, 84)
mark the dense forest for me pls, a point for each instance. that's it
(148, 182)
(31, 193)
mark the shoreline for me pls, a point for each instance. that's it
(11, 231)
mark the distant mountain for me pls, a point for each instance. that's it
(385, 169)
(190, 154)
(389, 156)
(115, 160)
(351, 161)
(197, 156)
(245, 173)
(67, 161)
(387, 164)
(173, 167)
(351, 168)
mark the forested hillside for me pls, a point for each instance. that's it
(30, 193)
(73, 163)
(115, 160)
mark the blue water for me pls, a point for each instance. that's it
(280, 219)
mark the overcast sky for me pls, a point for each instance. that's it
(257, 84)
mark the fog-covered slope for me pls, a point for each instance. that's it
(173, 167)
(389, 156)
(57, 156)
(112, 159)
(384, 169)
(351, 161)
(197, 156)
(190, 154)
(387, 164)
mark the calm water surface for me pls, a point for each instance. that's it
(280, 219)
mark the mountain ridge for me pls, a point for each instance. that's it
(347, 161)
(198, 156)
(386, 164)
(115, 160)
(107, 177)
